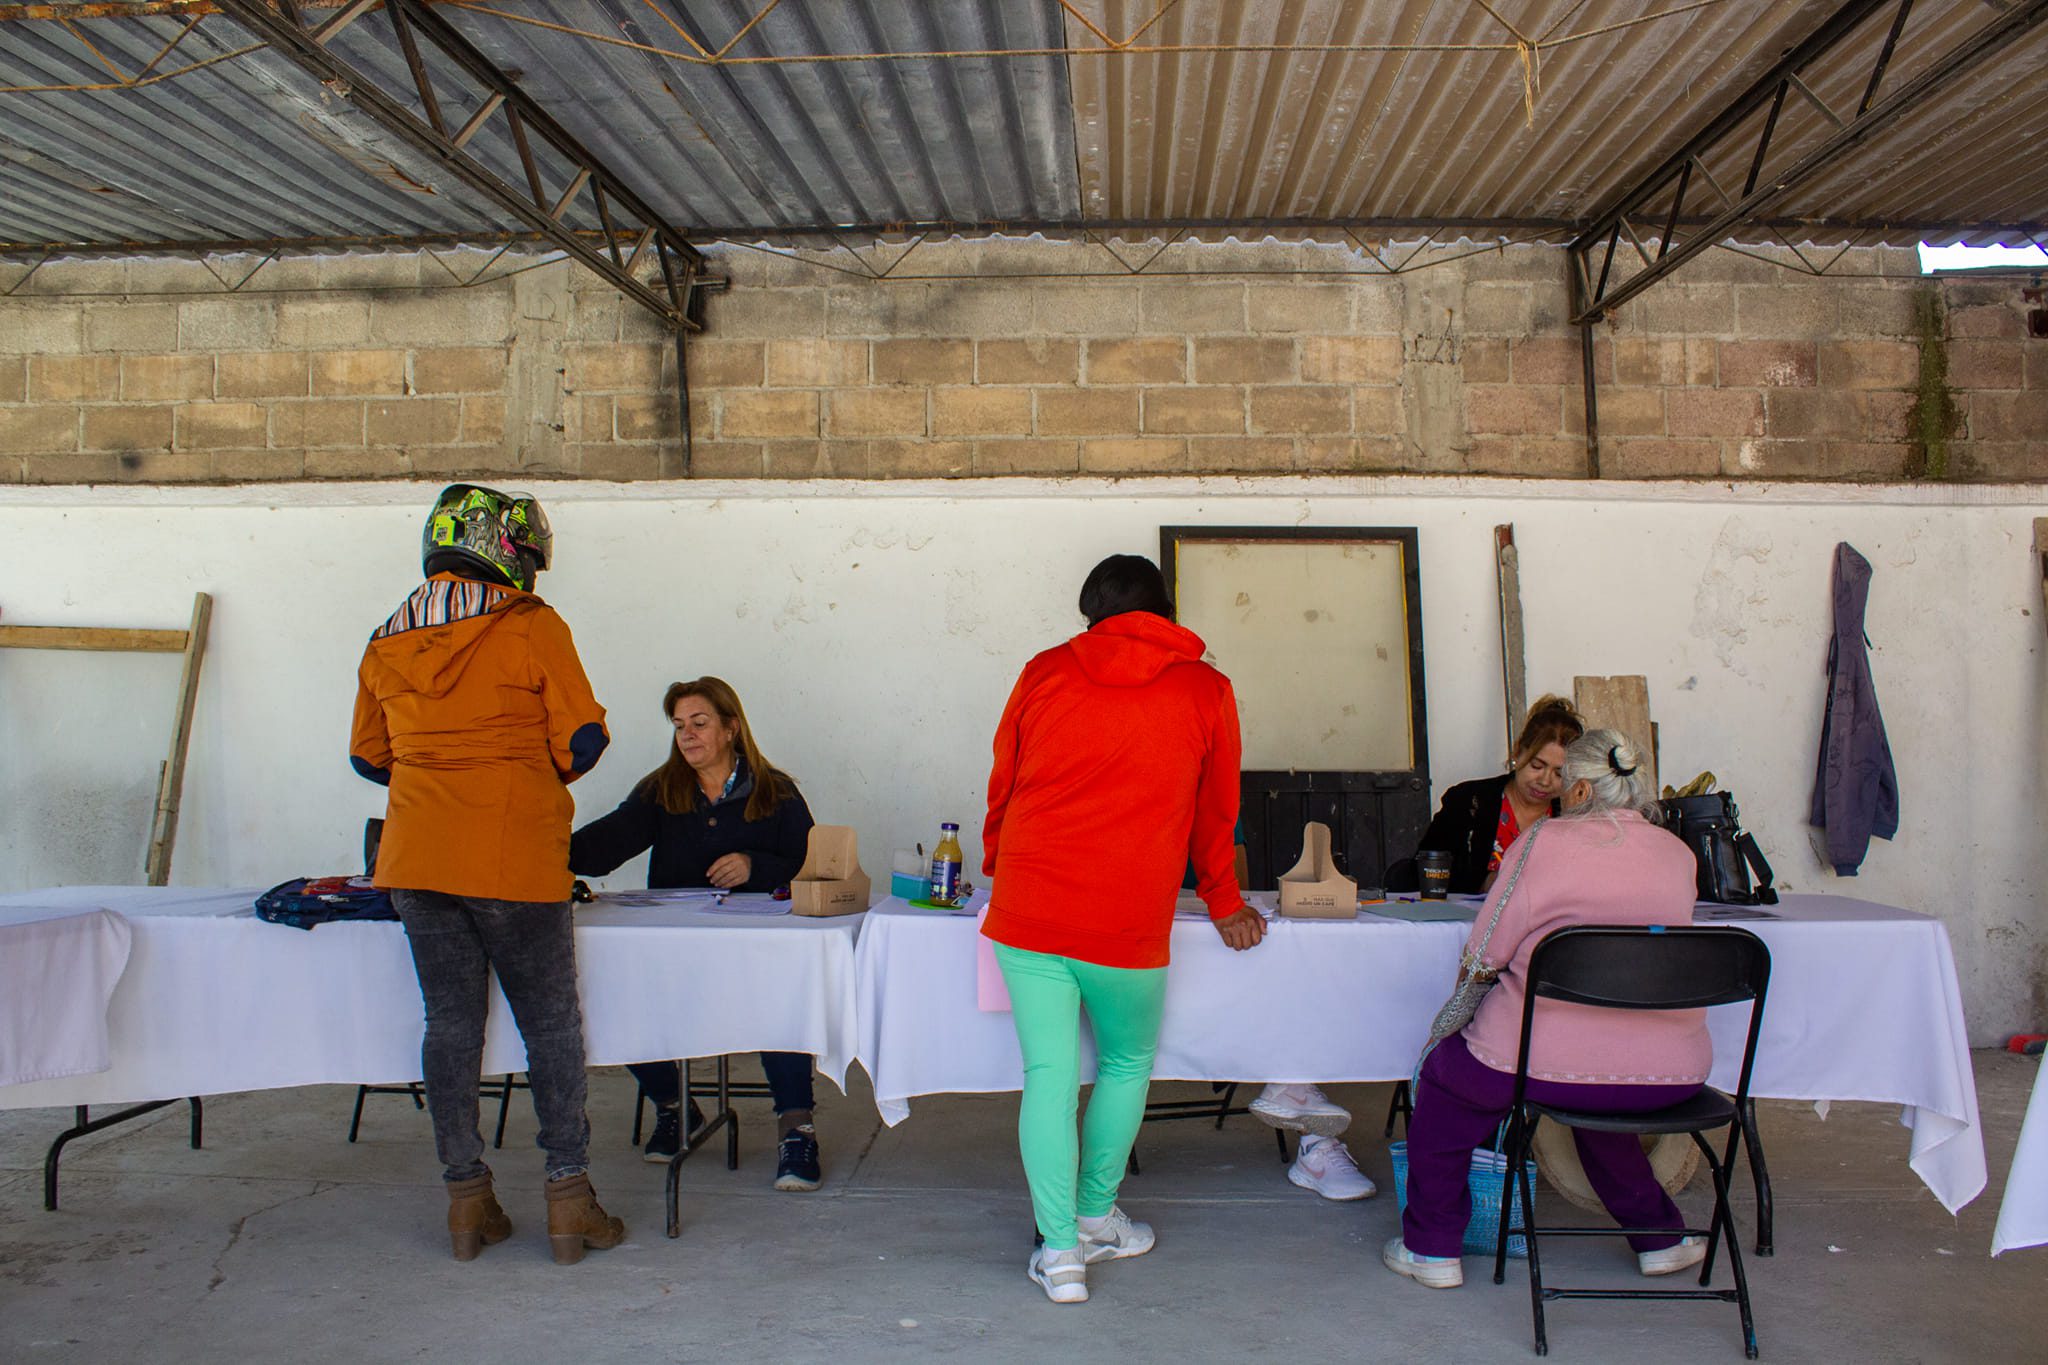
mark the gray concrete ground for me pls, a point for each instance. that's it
(280, 1241)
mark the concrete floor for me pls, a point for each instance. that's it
(280, 1241)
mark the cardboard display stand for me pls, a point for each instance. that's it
(830, 882)
(1314, 889)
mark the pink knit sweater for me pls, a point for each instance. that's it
(1600, 869)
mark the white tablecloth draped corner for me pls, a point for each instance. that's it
(57, 978)
(2023, 1213)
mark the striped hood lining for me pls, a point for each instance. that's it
(443, 602)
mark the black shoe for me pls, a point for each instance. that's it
(796, 1166)
(667, 1138)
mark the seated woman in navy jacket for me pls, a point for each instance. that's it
(716, 814)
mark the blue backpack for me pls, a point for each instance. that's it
(306, 901)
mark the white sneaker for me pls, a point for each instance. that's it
(1437, 1272)
(1301, 1109)
(1114, 1236)
(1063, 1275)
(1689, 1252)
(1325, 1166)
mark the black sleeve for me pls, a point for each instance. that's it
(1455, 830)
(783, 852)
(606, 842)
(1442, 834)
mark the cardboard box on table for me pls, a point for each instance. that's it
(830, 882)
(1313, 888)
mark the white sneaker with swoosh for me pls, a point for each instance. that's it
(1063, 1275)
(1114, 1236)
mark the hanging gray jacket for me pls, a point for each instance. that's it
(1856, 789)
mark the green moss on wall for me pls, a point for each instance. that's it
(1935, 419)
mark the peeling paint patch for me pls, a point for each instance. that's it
(795, 611)
(1730, 587)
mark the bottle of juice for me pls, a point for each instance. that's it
(946, 859)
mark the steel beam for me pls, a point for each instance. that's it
(1763, 192)
(282, 26)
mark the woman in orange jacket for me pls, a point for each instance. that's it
(1115, 759)
(472, 706)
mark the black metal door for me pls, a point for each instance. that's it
(1375, 818)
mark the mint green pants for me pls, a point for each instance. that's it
(1124, 1004)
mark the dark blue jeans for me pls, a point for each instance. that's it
(789, 1080)
(456, 942)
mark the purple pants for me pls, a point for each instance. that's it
(1459, 1103)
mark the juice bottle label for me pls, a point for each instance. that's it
(945, 879)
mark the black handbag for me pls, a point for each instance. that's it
(1725, 854)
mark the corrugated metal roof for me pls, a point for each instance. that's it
(256, 149)
(246, 149)
(1447, 134)
(1327, 111)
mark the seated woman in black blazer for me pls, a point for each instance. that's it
(717, 814)
(1479, 819)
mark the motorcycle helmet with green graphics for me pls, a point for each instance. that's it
(504, 534)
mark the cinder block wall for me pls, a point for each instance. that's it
(379, 367)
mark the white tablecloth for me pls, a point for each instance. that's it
(215, 1000)
(1863, 1006)
(2023, 1213)
(57, 976)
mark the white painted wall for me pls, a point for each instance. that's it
(874, 633)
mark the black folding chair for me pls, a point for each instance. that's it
(1655, 968)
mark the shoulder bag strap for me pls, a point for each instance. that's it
(1475, 961)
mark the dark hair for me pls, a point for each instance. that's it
(1552, 720)
(1124, 583)
(674, 784)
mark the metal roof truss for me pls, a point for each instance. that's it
(469, 79)
(1654, 209)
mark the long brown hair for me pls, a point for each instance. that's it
(674, 783)
(1552, 720)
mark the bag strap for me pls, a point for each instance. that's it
(1766, 894)
(1476, 961)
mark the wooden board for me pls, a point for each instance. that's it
(170, 784)
(2041, 561)
(1620, 703)
(1514, 677)
(93, 637)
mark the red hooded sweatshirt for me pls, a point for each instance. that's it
(1116, 759)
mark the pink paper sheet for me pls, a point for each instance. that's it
(991, 996)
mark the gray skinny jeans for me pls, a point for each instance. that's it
(456, 941)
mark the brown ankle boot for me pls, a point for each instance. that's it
(575, 1221)
(474, 1219)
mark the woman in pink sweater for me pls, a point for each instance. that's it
(1601, 862)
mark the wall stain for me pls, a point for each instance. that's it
(1730, 587)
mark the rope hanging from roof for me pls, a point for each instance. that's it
(1527, 50)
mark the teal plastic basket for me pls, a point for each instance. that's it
(1489, 1170)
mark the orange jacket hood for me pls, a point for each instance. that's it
(432, 637)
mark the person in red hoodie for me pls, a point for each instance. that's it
(1116, 758)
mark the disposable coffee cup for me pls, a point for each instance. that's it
(1435, 870)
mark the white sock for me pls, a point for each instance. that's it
(1087, 1224)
